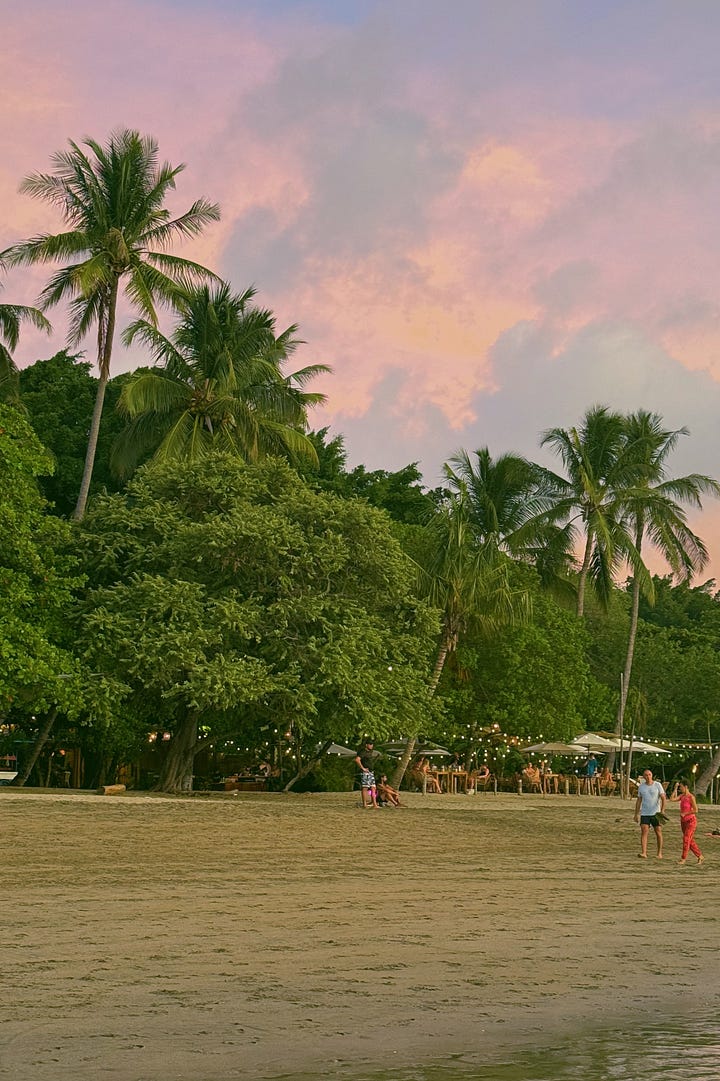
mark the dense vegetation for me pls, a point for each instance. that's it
(231, 582)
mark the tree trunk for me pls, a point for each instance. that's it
(629, 655)
(176, 775)
(304, 770)
(705, 777)
(41, 740)
(104, 355)
(582, 578)
(407, 754)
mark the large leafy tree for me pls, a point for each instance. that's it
(218, 385)
(39, 675)
(601, 466)
(112, 199)
(11, 318)
(229, 597)
(654, 512)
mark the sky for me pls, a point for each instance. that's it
(485, 216)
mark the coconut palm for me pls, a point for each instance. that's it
(602, 465)
(217, 385)
(112, 198)
(511, 503)
(653, 512)
(11, 317)
(469, 582)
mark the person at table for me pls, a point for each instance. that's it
(590, 772)
(480, 776)
(424, 777)
(531, 774)
(455, 763)
(606, 781)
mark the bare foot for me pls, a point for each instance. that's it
(642, 855)
(701, 859)
(681, 863)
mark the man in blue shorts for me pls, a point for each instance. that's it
(649, 804)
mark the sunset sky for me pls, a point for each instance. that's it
(485, 216)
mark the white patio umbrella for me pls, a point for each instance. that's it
(339, 750)
(591, 741)
(554, 748)
(641, 747)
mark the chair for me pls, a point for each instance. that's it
(475, 781)
(531, 778)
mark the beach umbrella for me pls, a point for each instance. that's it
(338, 749)
(434, 752)
(554, 748)
(591, 741)
(641, 747)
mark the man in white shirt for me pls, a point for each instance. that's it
(649, 804)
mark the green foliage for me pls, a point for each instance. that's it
(532, 680)
(237, 594)
(218, 385)
(59, 395)
(37, 580)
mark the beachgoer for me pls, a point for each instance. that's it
(364, 761)
(688, 820)
(606, 781)
(649, 804)
(590, 773)
(424, 778)
(532, 777)
(386, 792)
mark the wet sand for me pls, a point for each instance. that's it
(155, 939)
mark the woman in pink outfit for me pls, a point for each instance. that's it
(688, 820)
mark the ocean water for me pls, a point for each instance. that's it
(681, 1050)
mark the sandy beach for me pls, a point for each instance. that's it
(156, 939)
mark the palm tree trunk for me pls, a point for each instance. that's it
(629, 656)
(104, 355)
(407, 754)
(582, 579)
(41, 740)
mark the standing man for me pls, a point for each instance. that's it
(364, 761)
(649, 804)
(590, 771)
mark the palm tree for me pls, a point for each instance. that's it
(218, 385)
(510, 502)
(469, 582)
(11, 316)
(112, 200)
(602, 464)
(652, 511)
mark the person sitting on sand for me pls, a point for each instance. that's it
(386, 792)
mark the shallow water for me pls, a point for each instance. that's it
(675, 1051)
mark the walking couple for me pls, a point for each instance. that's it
(650, 811)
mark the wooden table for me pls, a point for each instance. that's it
(455, 780)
